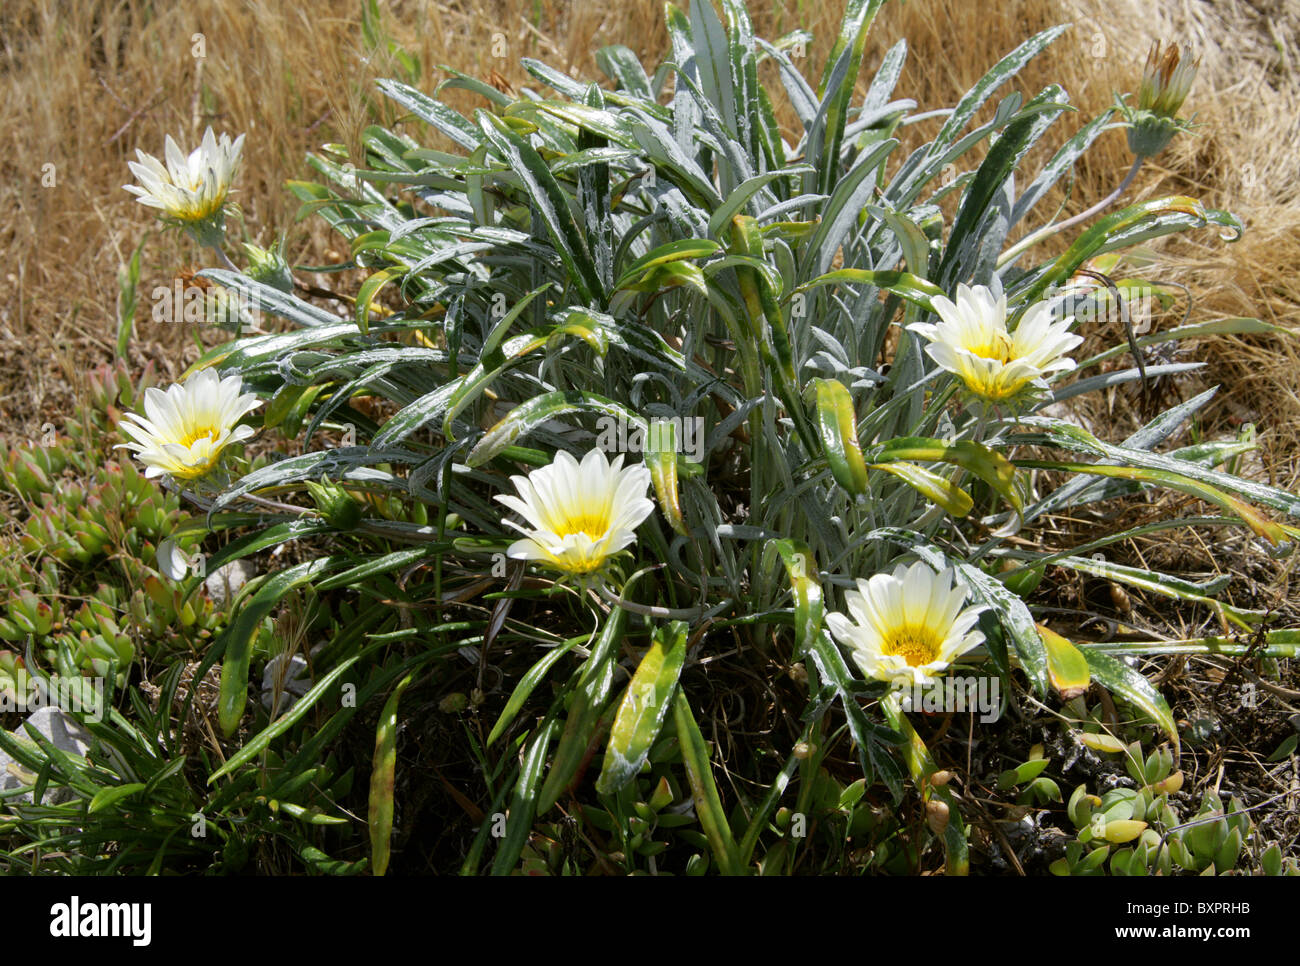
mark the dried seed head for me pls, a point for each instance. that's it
(1166, 80)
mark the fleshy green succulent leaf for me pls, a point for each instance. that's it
(1133, 687)
(1067, 668)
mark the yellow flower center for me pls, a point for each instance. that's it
(998, 348)
(198, 433)
(594, 525)
(915, 645)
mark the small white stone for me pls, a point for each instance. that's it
(62, 731)
(295, 681)
(224, 582)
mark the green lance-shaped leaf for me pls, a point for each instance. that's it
(1015, 619)
(807, 589)
(270, 299)
(1165, 585)
(1065, 435)
(598, 121)
(370, 290)
(528, 415)
(681, 250)
(1274, 533)
(251, 543)
(1003, 157)
(290, 718)
(931, 485)
(524, 798)
(1001, 72)
(737, 200)
(874, 742)
(1116, 676)
(976, 458)
(549, 201)
(1197, 330)
(289, 405)
(642, 711)
(704, 792)
(661, 459)
(760, 288)
(839, 433)
(382, 773)
(905, 285)
(107, 797)
(339, 463)
(1067, 668)
(238, 639)
(1275, 644)
(662, 277)
(836, 87)
(594, 684)
(527, 684)
(497, 359)
(433, 112)
(921, 765)
(1092, 240)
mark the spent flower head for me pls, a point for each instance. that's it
(1166, 80)
(578, 514)
(907, 626)
(185, 429)
(972, 342)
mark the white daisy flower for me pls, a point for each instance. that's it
(907, 626)
(189, 188)
(185, 428)
(972, 342)
(578, 515)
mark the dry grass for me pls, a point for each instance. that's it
(82, 83)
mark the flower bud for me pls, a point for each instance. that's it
(339, 508)
(269, 267)
(455, 702)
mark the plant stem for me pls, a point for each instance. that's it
(225, 259)
(1033, 238)
(662, 613)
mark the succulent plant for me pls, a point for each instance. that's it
(80, 574)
